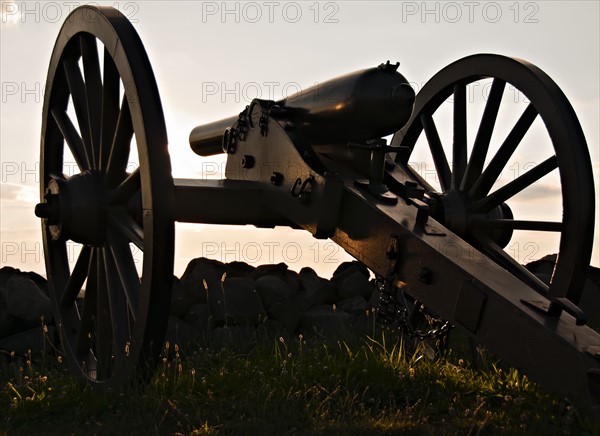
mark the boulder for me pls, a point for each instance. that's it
(184, 297)
(355, 305)
(235, 301)
(198, 316)
(289, 312)
(353, 283)
(347, 267)
(317, 290)
(273, 289)
(26, 301)
(238, 269)
(181, 333)
(5, 317)
(33, 339)
(374, 299)
(279, 269)
(543, 266)
(7, 272)
(199, 271)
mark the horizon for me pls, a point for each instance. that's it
(203, 78)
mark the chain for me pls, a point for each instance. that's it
(264, 120)
(242, 124)
(396, 316)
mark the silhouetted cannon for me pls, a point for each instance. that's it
(329, 172)
(363, 105)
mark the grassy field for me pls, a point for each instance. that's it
(293, 386)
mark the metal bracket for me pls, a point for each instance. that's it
(378, 190)
(555, 306)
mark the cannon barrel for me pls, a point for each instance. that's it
(362, 105)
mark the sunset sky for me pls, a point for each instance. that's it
(211, 58)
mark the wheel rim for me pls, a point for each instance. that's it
(95, 107)
(467, 204)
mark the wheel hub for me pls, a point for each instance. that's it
(75, 209)
(456, 214)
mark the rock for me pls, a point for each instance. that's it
(34, 340)
(289, 313)
(347, 267)
(325, 320)
(279, 270)
(544, 277)
(544, 266)
(367, 325)
(7, 272)
(238, 269)
(26, 301)
(198, 316)
(184, 297)
(318, 291)
(292, 278)
(181, 333)
(353, 283)
(201, 270)
(374, 299)
(356, 305)
(273, 289)
(235, 301)
(5, 317)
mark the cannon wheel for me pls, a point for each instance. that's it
(95, 107)
(467, 179)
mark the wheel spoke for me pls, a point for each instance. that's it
(93, 91)
(508, 147)
(104, 326)
(119, 151)
(86, 323)
(498, 255)
(122, 221)
(110, 108)
(78, 95)
(60, 273)
(72, 138)
(540, 226)
(437, 151)
(126, 270)
(520, 183)
(484, 135)
(118, 305)
(78, 276)
(459, 142)
(128, 187)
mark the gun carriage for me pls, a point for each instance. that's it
(314, 161)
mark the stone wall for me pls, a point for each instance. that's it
(214, 303)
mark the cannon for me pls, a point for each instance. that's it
(317, 161)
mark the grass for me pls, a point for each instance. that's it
(281, 386)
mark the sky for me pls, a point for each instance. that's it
(211, 58)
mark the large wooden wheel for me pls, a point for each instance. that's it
(468, 199)
(107, 228)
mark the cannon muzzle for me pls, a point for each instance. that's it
(362, 105)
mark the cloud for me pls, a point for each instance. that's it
(10, 14)
(11, 193)
(539, 192)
